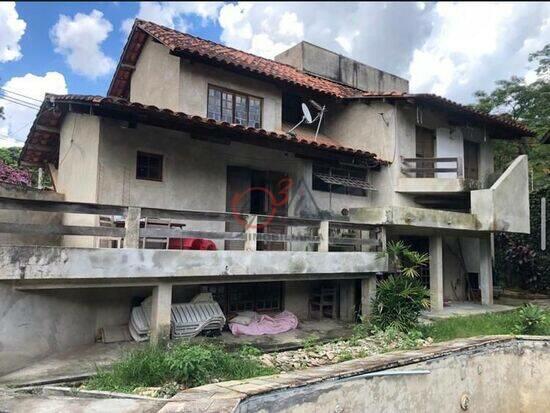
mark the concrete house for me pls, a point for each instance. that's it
(193, 140)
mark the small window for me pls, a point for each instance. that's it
(228, 106)
(348, 176)
(149, 166)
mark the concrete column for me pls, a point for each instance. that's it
(368, 292)
(485, 271)
(251, 230)
(324, 236)
(347, 300)
(436, 272)
(160, 314)
(131, 239)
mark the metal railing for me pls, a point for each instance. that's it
(429, 167)
(131, 229)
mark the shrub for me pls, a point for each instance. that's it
(398, 303)
(531, 320)
(187, 364)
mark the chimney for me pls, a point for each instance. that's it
(315, 60)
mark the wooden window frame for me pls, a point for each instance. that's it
(233, 94)
(151, 155)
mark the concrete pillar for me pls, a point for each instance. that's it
(368, 292)
(436, 272)
(131, 239)
(347, 300)
(251, 233)
(160, 313)
(324, 236)
(485, 271)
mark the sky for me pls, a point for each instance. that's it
(451, 49)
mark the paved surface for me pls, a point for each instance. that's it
(25, 403)
(69, 365)
(465, 309)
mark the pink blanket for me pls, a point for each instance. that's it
(265, 324)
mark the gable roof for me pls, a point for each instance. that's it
(186, 45)
(42, 144)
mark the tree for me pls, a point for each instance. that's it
(519, 262)
(528, 103)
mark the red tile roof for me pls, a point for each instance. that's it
(42, 144)
(183, 44)
(505, 124)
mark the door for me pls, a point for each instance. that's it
(425, 148)
(471, 160)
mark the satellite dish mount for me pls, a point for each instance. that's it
(306, 117)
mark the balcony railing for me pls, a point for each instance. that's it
(430, 167)
(328, 250)
(130, 229)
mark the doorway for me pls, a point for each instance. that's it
(252, 189)
(471, 160)
(425, 148)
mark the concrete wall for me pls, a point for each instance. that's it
(505, 206)
(36, 324)
(29, 217)
(155, 81)
(314, 59)
(508, 378)
(78, 169)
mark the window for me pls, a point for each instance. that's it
(149, 166)
(228, 106)
(353, 181)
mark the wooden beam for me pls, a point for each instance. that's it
(48, 129)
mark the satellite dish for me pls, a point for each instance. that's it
(307, 113)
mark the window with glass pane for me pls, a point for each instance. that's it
(227, 107)
(241, 110)
(214, 104)
(232, 107)
(254, 112)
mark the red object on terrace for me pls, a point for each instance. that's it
(191, 244)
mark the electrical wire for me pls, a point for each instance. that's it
(19, 102)
(20, 94)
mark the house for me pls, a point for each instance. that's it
(198, 140)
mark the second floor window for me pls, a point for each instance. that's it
(340, 180)
(149, 166)
(233, 107)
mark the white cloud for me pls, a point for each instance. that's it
(473, 44)
(11, 32)
(79, 39)
(18, 119)
(173, 13)
(447, 48)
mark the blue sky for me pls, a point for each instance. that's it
(451, 49)
(38, 51)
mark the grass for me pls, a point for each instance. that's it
(479, 325)
(189, 365)
(185, 365)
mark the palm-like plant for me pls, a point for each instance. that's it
(401, 297)
(404, 260)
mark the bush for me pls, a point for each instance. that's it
(398, 303)
(187, 364)
(531, 320)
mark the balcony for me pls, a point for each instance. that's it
(141, 256)
(433, 176)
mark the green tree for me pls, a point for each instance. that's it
(528, 103)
